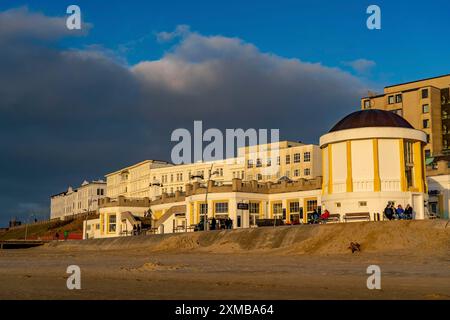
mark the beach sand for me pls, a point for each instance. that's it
(301, 262)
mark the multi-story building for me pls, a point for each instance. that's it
(423, 103)
(262, 163)
(77, 201)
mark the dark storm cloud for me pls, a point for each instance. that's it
(67, 115)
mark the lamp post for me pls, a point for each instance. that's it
(210, 173)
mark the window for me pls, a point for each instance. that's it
(278, 161)
(288, 159)
(112, 223)
(221, 207)
(424, 93)
(296, 173)
(307, 172)
(425, 108)
(426, 123)
(277, 209)
(390, 99)
(338, 204)
(362, 203)
(409, 163)
(259, 176)
(428, 138)
(296, 157)
(311, 205)
(398, 98)
(307, 156)
(250, 163)
(398, 112)
(203, 209)
(97, 226)
(171, 178)
(294, 207)
(366, 104)
(253, 208)
(427, 153)
(269, 162)
(258, 163)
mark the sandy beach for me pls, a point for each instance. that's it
(304, 262)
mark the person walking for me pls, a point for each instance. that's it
(66, 235)
(213, 223)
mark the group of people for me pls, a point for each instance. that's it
(398, 213)
(213, 224)
(317, 218)
(66, 235)
(226, 224)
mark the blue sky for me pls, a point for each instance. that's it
(413, 42)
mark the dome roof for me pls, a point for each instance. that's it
(371, 118)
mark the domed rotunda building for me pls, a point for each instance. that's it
(372, 157)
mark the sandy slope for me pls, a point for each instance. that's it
(303, 262)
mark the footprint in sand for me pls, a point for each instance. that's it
(154, 266)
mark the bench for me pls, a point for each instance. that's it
(357, 216)
(333, 218)
(180, 229)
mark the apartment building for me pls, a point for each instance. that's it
(425, 104)
(75, 201)
(262, 163)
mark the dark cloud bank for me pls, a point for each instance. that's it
(67, 115)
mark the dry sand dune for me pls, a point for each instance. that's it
(301, 262)
(428, 235)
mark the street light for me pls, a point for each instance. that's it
(210, 173)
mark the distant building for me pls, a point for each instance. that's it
(77, 201)
(152, 178)
(425, 104)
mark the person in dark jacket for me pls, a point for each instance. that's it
(389, 212)
(408, 212)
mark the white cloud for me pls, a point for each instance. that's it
(180, 31)
(360, 66)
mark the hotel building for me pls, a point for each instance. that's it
(151, 178)
(77, 201)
